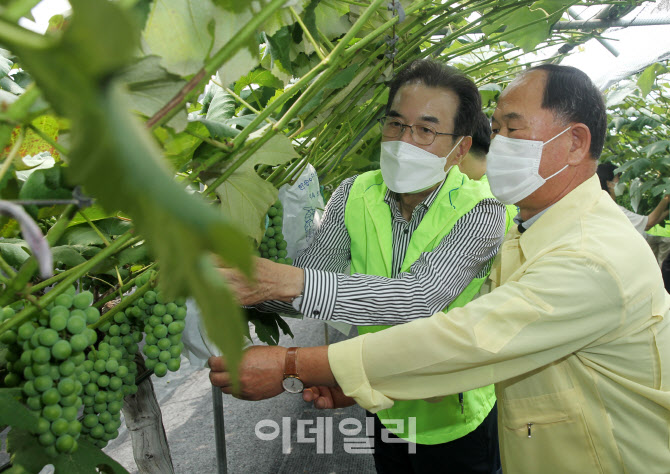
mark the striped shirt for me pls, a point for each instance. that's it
(433, 281)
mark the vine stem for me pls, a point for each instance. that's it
(219, 59)
(317, 48)
(26, 313)
(125, 302)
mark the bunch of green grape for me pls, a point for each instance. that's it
(273, 245)
(47, 360)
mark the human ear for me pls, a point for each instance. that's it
(580, 145)
(459, 152)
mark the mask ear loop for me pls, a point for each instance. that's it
(549, 177)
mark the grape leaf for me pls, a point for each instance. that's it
(67, 256)
(260, 77)
(648, 77)
(245, 197)
(13, 413)
(151, 87)
(14, 251)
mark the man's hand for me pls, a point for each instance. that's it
(327, 397)
(273, 281)
(261, 373)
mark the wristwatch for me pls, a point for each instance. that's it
(292, 382)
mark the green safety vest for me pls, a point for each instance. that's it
(368, 221)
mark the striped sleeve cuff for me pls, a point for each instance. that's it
(346, 362)
(319, 295)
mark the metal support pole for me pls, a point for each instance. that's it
(219, 431)
(326, 337)
(606, 44)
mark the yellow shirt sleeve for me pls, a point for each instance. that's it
(562, 303)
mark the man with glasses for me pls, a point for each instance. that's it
(419, 237)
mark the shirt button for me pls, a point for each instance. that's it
(406, 231)
(316, 312)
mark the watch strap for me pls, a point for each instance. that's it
(291, 363)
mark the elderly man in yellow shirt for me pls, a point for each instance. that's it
(575, 331)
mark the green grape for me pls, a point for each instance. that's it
(171, 308)
(48, 337)
(164, 344)
(7, 312)
(103, 381)
(59, 427)
(176, 327)
(115, 341)
(8, 337)
(164, 356)
(142, 304)
(167, 319)
(67, 368)
(92, 315)
(272, 252)
(104, 417)
(115, 383)
(47, 439)
(160, 370)
(91, 335)
(27, 357)
(54, 373)
(288, 261)
(40, 368)
(124, 329)
(98, 431)
(115, 407)
(93, 375)
(84, 378)
(263, 248)
(175, 338)
(66, 387)
(180, 314)
(71, 400)
(272, 211)
(76, 324)
(270, 232)
(150, 363)
(58, 322)
(133, 348)
(161, 331)
(90, 421)
(100, 397)
(112, 365)
(70, 413)
(120, 317)
(65, 443)
(79, 342)
(61, 350)
(151, 352)
(26, 330)
(161, 298)
(34, 403)
(150, 297)
(12, 380)
(83, 300)
(103, 352)
(122, 371)
(150, 339)
(105, 327)
(100, 407)
(175, 351)
(43, 383)
(114, 330)
(281, 260)
(272, 244)
(91, 389)
(75, 427)
(29, 389)
(43, 425)
(52, 412)
(277, 221)
(279, 237)
(51, 396)
(63, 300)
(154, 321)
(282, 254)
(173, 365)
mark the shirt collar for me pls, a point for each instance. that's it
(427, 202)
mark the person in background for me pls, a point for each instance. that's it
(575, 332)
(608, 182)
(474, 163)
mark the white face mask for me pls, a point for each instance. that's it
(409, 169)
(512, 167)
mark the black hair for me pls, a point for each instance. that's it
(431, 73)
(481, 136)
(605, 172)
(571, 95)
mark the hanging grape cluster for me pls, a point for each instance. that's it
(48, 361)
(61, 370)
(112, 365)
(273, 245)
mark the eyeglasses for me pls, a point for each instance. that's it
(422, 134)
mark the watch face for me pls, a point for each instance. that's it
(292, 384)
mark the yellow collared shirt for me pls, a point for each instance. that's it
(575, 333)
